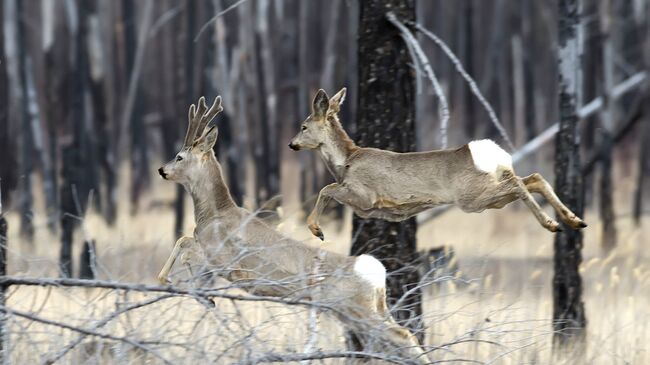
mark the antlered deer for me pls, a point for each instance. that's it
(243, 249)
(395, 186)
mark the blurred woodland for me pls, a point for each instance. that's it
(94, 86)
(94, 97)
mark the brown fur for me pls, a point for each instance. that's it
(241, 248)
(395, 186)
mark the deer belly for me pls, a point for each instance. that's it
(393, 211)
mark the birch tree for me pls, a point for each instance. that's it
(569, 319)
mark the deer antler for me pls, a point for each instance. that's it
(199, 117)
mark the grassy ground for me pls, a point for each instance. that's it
(501, 315)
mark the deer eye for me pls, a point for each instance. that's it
(304, 128)
(179, 158)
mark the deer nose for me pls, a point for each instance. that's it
(162, 173)
(294, 147)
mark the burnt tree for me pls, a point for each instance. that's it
(7, 161)
(3, 272)
(386, 119)
(569, 320)
(26, 142)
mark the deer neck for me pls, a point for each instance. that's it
(337, 150)
(210, 194)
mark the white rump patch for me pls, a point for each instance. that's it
(488, 156)
(371, 270)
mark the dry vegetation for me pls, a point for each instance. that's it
(496, 311)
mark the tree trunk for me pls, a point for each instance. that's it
(644, 141)
(607, 117)
(7, 152)
(569, 320)
(87, 261)
(140, 170)
(94, 53)
(68, 211)
(644, 164)
(26, 143)
(387, 103)
(3, 271)
(183, 83)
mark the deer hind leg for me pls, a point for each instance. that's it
(397, 335)
(180, 244)
(535, 183)
(511, 189)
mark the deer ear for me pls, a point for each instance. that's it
(207, 140)
(336, 100)
(321, 103)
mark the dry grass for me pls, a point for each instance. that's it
(506, 305)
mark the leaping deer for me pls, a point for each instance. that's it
(395, 186)
(243, 249)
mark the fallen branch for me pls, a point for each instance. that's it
(202, 293)
(586, 111)
(320, 355)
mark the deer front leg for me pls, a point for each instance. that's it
(324, 196)
(180, 244)
(353, 196)
(535, 183)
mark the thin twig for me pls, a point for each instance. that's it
(214, 18)
(103, 322)
(81, 330)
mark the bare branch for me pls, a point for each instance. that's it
(470, 82)
(214, 18)
(82, 330)
(103, 322)
(412, 43)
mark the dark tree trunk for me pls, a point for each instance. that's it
(3, 271)
(26, 143)
(7, 152)
(644, 164)
(387, 104)
(139, 154)
(87, 261)
(569, 319)
(607, 216)
(68, 210)
(226, 155)
(607, 117)
(96, 82)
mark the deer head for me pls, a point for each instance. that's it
(322, 125)
(195, 151)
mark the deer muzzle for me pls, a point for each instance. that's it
(294, 146)
(162, 173)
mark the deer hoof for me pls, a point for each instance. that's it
(164, 280)
(316, 231)
(581, 224)
(553, 226)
